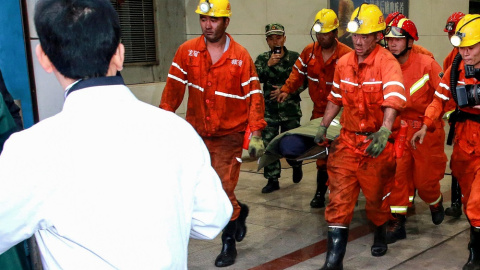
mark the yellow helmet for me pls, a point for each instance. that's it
(214, 8)
(467, 32)
(366, 19)
(325, 21)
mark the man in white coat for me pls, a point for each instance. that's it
(109, 182)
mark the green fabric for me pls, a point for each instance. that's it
(7, 124)
(275, 112)
(379, 141)
(272, 151)
(14, 258)
(256, 147)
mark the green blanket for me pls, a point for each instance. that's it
(272, 151)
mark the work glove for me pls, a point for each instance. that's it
(321, 135)
(256, 147)
(379, 141)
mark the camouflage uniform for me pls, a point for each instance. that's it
(280, 117)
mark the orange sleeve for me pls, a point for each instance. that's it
(251, 85)
(174, 90)
(299, 71)
(437, 106)
(335, 95)
(393, 87)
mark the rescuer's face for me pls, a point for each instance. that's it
(364, 44)
(396, 45)
(213, 27)
(471, 55)
(326, 40)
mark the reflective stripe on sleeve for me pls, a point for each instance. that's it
(395, 94)
(441, 96)
(177, 79)
(393, 83)
(238, 97)
(250, 80)
(177, 66)
(303, 64)
(419, 84)
(347, 82)
(312, 79)
(299, 71)
(335, 95)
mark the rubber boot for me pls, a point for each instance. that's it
(318, 200)
(456, 209)
(379, 247)
(297, 173)
(474, 248)
(241, 226)
(229, 251)
(396, 228)
(336, 247)
(438, 213)
(271, 186)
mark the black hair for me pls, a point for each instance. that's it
(79, 37)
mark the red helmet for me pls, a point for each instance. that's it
(401, 28)
(394, 16)
(452, 22)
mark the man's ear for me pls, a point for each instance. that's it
(43, 59)
(116, 63)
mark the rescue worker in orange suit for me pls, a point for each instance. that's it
(458, 89)
(317, 64)
(368, 84)
(421, 75)
(224, 97)
(455, 210)
(395, 17)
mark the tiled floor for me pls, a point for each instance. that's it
(285, 233)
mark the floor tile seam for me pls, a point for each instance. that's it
(427, 249)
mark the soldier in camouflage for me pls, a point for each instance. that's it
(273, 68)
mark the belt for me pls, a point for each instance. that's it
(414, 123)
(363, 133)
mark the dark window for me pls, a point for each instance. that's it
(138, 30)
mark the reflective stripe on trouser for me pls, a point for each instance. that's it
(349, 172)
(226, 153)
(466, 168)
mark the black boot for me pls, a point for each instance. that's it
(474, 248)
(271, 186)
(297, 173)
(379, 247)
(456, 209)
(241, 226)
(396, 229)
(318, 200)
(336, 247)
(438, 213)
(229, 251)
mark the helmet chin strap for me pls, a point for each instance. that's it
(402, 53)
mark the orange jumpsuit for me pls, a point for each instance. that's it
(318, 73)
(447, 62)
(223, 99)
(465, 160)
(424, 167)
(364, 90)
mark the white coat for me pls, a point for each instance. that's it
(109, 183)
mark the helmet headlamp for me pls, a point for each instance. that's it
(317, 27)
(450, 26)
(205, 6)
(353, 26)
(456, 39)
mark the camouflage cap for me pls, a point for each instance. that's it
(274, 29)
